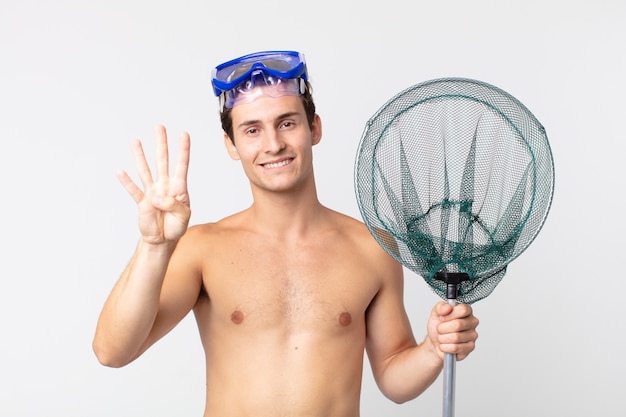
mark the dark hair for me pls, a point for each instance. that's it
(307, 102)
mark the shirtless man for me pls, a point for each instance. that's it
(287, 294)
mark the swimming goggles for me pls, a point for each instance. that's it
(236, 81)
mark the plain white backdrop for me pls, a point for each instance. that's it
(80, 79)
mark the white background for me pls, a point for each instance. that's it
(80, 79)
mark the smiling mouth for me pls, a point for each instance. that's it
(278, 164)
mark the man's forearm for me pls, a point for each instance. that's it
(129, 313)
(410, 372)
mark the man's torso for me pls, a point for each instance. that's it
(283, 322)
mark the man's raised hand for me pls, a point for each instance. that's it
(164, 209)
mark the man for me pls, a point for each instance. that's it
(287, 293)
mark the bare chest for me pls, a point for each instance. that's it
(281, 287)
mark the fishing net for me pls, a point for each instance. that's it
(454, 178)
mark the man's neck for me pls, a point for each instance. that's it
(292, 213)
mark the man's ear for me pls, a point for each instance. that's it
(230, 147)
(316, 130)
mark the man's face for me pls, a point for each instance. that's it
(273, 141)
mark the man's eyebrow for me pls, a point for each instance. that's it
(279, 117)
(248, 123)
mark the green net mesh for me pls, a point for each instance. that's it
(454, 175)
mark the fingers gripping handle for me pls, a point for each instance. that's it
(452, 280)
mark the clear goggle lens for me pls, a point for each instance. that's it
(261, 84)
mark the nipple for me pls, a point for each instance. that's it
(236, 317)
(345, 319)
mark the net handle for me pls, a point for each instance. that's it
(449, 377)
(452, 280)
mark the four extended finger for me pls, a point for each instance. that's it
(162, 170)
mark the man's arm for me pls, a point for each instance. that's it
(151, 295)
(402, 368)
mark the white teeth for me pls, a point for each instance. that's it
(278, 164)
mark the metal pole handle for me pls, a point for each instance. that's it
(449, 377)
(452, 280)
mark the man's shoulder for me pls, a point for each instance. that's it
(203, 229)
(216, 227)
(357, 231)
(345, 219)
(365, 246)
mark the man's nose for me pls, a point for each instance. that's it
(273, 142)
